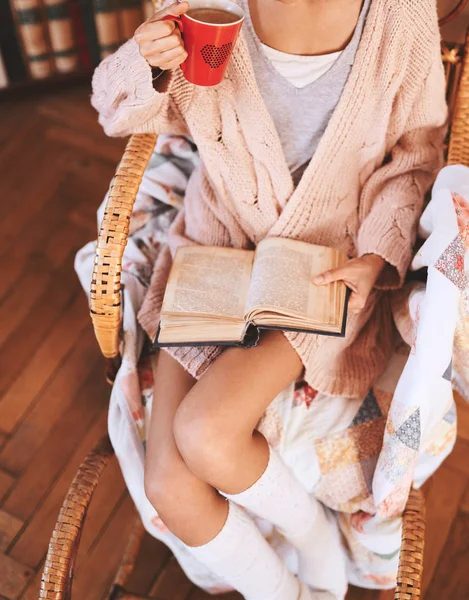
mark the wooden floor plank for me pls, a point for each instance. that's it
(54, 400)
(31, 591)
(73, 111)
(33, 236)
(386, 595)
(31, 546)
(28, 251)
(13, 577)
(6, 483)
(50, 459)
(9, 528)
(43, 363)
(172, 584)
(53, 242)
(41, 186)
(88, 183)
(451, 577)
(152, 558)
(106, 150)
(12, 271)
(110, 490)
(92, 579)
(443, 495)
(16, 157)
(464, 506)
(463, 420)
(198, 594)
(15, 117)
(57, 292)
(22, 300)
(458, 460)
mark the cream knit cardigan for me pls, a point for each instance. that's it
(362, 192)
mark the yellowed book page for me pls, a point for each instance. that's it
(209, 281)
(282, 280)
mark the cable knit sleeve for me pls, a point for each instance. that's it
(127, 102)
(396, 191)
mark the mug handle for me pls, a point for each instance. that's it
(179, 24)
(176, 20)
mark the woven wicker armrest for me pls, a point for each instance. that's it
(105, 285)
(59, 566)
(409, 576)
(458, 151)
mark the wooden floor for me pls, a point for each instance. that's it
(55, 165)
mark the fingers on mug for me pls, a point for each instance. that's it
(208, 45)
(179, 24)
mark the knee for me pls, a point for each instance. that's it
(162, 478)
(206, 444)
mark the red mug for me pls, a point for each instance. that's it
(208, 45)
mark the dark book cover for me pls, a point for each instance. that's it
(10, 45)
(89, 25)
(79, 31)
(250, 338)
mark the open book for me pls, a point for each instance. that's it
(222, 296)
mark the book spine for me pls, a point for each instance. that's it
(3, 73)
(148, 8)
(61, 35)
(10, 45)
(83, 52)
(29, 17)
(88, 20)
(106, 14)
(30, 22)
(130, 17)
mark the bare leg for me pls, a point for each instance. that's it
(191, 508)
(215, 427)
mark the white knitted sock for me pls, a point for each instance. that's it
(241, 556)
(280, 498)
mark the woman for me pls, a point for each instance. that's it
(328, 128)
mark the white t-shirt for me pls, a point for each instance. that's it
(300, 71)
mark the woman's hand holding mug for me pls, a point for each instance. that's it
(199, 38)
(160, 41)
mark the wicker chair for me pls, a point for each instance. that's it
(59, 566)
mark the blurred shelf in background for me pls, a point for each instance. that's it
(54, 40)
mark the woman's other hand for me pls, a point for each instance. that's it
(359, 274)
(160, 42)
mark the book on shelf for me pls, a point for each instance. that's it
(224, 296)
(10, 45)
(85, 28)
(82, 44)
(130, 17)
(62, 39)
(106, 14)
(149, 8)
(3, 73)
(30, 21)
